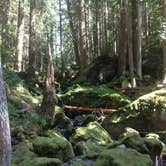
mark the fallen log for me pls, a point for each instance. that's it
(86, 109)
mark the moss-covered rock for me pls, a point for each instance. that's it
(95, 96)
(88, 149)
(42, 161)
(78, 163)
(102, 69)
(123, 157)
(132, 139)
(62, 123)
(93, 132)
(154, 145)
(22, 152)
(55, 146)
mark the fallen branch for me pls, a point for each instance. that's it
(86, 109)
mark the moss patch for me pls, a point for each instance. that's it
(95, 96)
(93, 132)
(123, 157)
(55, 147)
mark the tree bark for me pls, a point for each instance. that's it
(5, 139)
(82, 34)
(73, 33)
(164, 41)
(48, 103)
(137, 32)
(122, 51)
(32, 40)
(20, 36)
(4, 30)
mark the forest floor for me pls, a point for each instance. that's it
(92, 137)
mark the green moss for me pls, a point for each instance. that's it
(132, 139)
(123, 157)
(93, 132)
(154, 145)
(56, 147)
(78, 163)
(95, 96)
(42, 161)
(22, 152)
(88, 149)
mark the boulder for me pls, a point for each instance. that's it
(42, 161)
(95, 97)
(92, 132)
(55, 146)
(132, 139)
(154, 145)
(88, 149)
(22, 152)
(62, 123)
(123, 157)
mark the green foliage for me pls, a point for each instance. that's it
(42, 121)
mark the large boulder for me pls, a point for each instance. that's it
(55, 146)
(123, 157)
(92, 132)
(102, 69)
(95, 96)
(42, 161)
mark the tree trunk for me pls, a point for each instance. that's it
(122, 51)
(61, 42)
(164, 41)
(130, 51)
(32, 40)
(48, 103)
(20, 36)
(4, 30)
(73, 33)
(5, 139)
(82, 34)
(137, 32)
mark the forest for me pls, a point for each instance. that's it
(83, 83)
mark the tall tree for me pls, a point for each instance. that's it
(20, 36)
(32, 40)
(164, 40)
(61, 41)
(137, 32)
(122, 51)
(5, 139)
(48, 103)
(73, 33)
(4, 31)
(82, 34)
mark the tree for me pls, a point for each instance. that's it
(4, 31)
(137, 32)
(122, 51)
(82, 34)
(32, 40)
(5, 139)
(20, 36)
(48, 103)
(164, 40)
(73, 33)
